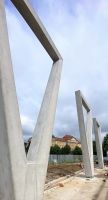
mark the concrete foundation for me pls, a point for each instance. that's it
(21, 177)
(97, 131)
(85, 134)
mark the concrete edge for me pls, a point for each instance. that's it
(64, 179)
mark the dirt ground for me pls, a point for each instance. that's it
(80, 188)
(59, 170)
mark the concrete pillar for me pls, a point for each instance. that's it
(23, 178)
(85, 134)
(41, 141)
(12, 153)
(97, 132)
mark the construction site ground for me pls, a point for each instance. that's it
(59, 170)
(78, 187)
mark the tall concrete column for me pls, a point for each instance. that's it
(23, 178)
(85, 134)
(12, 153)
(97, 131)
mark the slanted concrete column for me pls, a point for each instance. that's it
(41, 141)
(85, 134)
(97, 131)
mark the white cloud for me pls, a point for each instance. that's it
(28, 123)
(79, 30)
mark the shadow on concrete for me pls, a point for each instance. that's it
(100, 191)
(106, 198)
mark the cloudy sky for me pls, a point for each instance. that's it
(79, 28)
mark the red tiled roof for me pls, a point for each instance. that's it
(66, 138)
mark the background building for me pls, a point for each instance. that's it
(67, 139)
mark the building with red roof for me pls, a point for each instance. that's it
(66, 139)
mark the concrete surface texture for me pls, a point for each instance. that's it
(21, 177)
(80, 188)
(41, 141)
(97, 132)
(12, 153)
(85, 133)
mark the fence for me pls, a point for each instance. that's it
(67, 158)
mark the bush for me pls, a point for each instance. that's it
(77, 151)
(55, 149)
(105, 145)
(66, 149)
(94, 148)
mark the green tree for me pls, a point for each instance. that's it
(55, 149)
(94, 148)
(105, 145)
(77, 151)
(66, 149)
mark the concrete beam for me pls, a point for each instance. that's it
(85, 133)
(97, 131)
(32, 19)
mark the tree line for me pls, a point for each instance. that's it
(65, 150)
